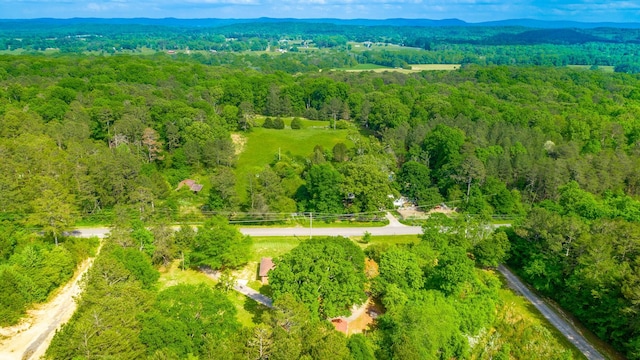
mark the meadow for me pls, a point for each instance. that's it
(261, 147)
(414, 68)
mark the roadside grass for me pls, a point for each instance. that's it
(605, 349)
(263, 146)
(390, 240)
(274, 246)
(320, 222)
(518, 320)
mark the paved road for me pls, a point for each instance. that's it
(556, 320)
(394, 228)
(296, 231)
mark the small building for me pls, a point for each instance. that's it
(191, 184)
(400, 202)
(340, 324)
(266, 264)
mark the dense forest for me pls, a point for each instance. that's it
(107, 139)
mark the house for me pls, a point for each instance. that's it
(340, 324)
(191, 184)
(266, 264)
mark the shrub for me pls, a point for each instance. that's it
(296, 123)
(268, 123)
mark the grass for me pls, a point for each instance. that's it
(520, 316)
(273, 246)
(262, 147)
(248, 310)
(603, 68)
(394, 239)
(414, 68)
(365, 67)
(429, 67)
(174, 275)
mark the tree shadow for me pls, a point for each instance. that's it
(255, 309)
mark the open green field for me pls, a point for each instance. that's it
(261, 146)
(604, 68)
(274, 246)
(414, 68)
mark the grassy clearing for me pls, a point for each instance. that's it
(274, 246)
(174, 275)
(365, 67)
(428, 67)
(263, 145)
(603, 68)
(248, 310)
(414, 68)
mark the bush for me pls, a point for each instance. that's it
(268, 123)
(296, 123)
(278, 123)
(343, 125)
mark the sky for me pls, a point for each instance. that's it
(467, 10)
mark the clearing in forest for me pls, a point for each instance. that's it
(262, 146)
(414, 68)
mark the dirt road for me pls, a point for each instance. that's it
(31, 338)
(556, 320)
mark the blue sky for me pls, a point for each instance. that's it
(468, 10)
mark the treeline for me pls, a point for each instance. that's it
(436, 299)
(583, 252)
(32, 267)
(425, 45)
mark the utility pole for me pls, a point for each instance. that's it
(310, 225)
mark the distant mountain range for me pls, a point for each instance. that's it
(528, 23)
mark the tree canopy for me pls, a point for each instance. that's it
(326, 274)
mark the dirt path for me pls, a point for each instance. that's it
(31, 338)
(556, 320)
